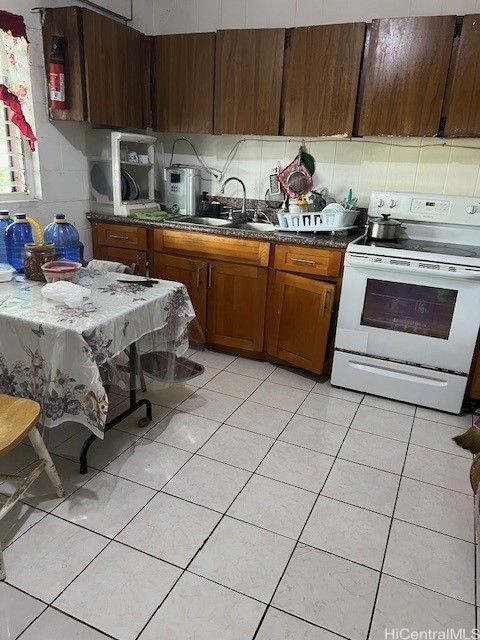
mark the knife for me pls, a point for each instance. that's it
(146, 283)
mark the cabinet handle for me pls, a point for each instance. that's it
(118, 237)
(303, 261)
(325, 298)
(198, 275)
(209, 276)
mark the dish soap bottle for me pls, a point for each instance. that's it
(5, 220)
(65, 238)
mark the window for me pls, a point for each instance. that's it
(16, 170)
(17, 138)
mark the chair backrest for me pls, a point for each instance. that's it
(17, 418)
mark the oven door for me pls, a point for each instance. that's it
(409, 314)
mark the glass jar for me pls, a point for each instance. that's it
(35, 256)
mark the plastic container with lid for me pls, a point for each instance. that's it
(6, 272)
(17, 234)
(65, 238)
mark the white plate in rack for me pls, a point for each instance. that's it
(321, 229)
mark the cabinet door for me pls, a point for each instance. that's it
(67, 22)
(236, 305)
(299, 322)
(405, 76)
(462, 115)
(193, 274)
(183, 75)
(321, 79)
(248, 80)
(113, 71)
(129, 257)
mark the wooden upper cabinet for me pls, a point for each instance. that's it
(322, 69)
(67, 23)
(104, 67)
(183, 76)
(461, 108)
(248, 81)
(405, 76)
(113, 75)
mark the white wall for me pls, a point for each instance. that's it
(408, 164)
(186, 16)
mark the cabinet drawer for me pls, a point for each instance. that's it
(207, 246)
(122, 235)
(321, 262)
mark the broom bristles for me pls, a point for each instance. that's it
(470, 440)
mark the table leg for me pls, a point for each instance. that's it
(134, 405)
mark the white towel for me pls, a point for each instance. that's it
(107, 265)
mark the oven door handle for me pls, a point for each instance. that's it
(353, 261)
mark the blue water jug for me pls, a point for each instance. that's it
(17, 234)
(5, 220)
(65, 238)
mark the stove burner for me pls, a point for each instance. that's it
(448, 250)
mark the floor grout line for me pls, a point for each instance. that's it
(388, 538)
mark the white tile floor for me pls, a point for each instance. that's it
(260, 503)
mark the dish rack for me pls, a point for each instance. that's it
(120, 185)
(316, 221)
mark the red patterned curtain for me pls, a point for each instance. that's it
(15, 87)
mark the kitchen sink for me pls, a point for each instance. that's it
(223, 223)
(204, 221)
(253, 226)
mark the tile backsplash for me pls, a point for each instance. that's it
(421, 165)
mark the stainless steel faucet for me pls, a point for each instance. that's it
(244, 205)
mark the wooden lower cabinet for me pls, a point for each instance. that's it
(231, 281)
(226, 278)
(193, 274)
(236, 303)
(473, 386)
(299, 320)
(229, 299)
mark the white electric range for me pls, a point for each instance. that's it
(409, 311)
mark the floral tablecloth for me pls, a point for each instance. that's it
(55, 354)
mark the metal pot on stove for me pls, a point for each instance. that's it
(384, 228)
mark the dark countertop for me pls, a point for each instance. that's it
(339, 240)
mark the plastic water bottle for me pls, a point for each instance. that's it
(65, 238)
(5, 220)
(17, 234)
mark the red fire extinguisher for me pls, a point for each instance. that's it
(56, 73)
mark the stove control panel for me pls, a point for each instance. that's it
(430, 206)
(425, 207)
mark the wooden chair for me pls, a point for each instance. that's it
(18, 418)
